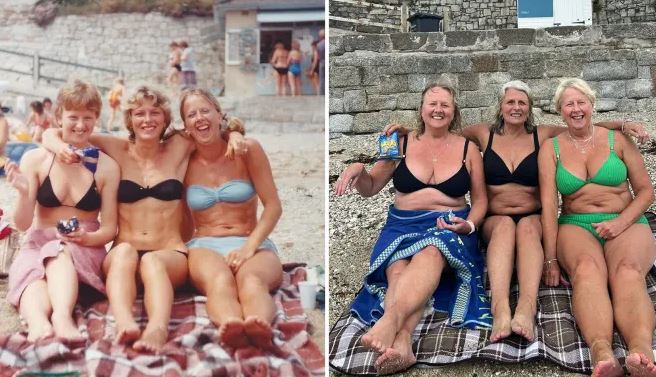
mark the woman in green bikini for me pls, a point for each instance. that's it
(601, 239)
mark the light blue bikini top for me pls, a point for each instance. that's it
(235, 191)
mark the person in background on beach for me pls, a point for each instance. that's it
(512, 227)
(173, 67)
(4, 132)
(428, 249)
(38, 119)
(149, 247)
(294, 67)
(114, 100)
(47, 110)
(188, 66)
(44, 277)
(313, 71)
(231, 259)
(321, 49)
(279, 62)
(601, 238)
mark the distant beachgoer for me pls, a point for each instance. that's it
(313, 72)
(188, 67)
(4, 133)
(38, 119)
(279, 62)
(174, 68)
(321, 49)
(114, 99)
(294, 63)
(47, 109)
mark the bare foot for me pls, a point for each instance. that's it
(64, 327)
(639, 365)
(152, 339)
(605, 363)
(397, 358)
(381, 336)
(127, 333)
(523, 322)
(38, 331)
(500, 324)
(259, 332)
(231, 334)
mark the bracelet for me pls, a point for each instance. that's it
(550, 261)
(472, 226)
(623, 123)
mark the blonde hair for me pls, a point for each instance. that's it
(456, 123)
(574, 83)
(137, 99)
(78, 95)
(233, 123)
(521, 86)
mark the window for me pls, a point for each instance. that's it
(232, 53)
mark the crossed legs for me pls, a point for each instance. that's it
(240, 304)
(410, 284)
(622, 264)
(160, 271)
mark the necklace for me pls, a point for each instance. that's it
(582, 145)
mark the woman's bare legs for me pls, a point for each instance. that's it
(629, 257)
(62, 283)
(160, 271)
(499, 232)
(582, 256)
(256, 279)
(530, 257)
(120, 268)
(211, 275)
(421, 277)
(36, 309)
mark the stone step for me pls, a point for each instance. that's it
(290, 111)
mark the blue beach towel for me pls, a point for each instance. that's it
(461, 292)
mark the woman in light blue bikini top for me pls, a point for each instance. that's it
(235, 191)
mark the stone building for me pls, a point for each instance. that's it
(248, 31)
(385, 16)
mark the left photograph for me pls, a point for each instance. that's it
(162, 188)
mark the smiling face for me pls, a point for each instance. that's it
(437, 109)
(201, 119)
(77, 125)
(148, 121)
(576, 108)
(515, 107)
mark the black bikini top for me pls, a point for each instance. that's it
(406, 182)
(130, 192)
(46, 197)
(497, 173)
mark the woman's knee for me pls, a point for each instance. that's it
(123, 255)
(151, 264)
(429, 254)
(588, 269)
(529, 227)
(624, 272)
(250, 283)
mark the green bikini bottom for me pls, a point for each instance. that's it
(585, 220)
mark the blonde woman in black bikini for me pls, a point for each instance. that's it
(279, 62)
(601, 238)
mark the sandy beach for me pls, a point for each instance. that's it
(297, 161)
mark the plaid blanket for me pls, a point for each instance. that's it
(192, 348)
(435, 343)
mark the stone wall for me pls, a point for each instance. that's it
(136, 44)
(377, 79)
(477, 14)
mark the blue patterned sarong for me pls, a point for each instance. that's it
(460, 293)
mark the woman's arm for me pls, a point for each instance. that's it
(26, 181)
(642, 188)
(478, 192)
(549, 200)
(4, 133)
(366, 183)
(260, 174)
(476, 133)
(635, 129)
(113, 146)
(108, 174)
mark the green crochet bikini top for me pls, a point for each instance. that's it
(611, 173)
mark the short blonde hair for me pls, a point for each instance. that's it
(574, 83)
(78, 95)
(141, 95)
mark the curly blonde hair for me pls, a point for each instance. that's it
(138, 98)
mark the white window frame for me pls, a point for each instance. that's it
(228, 61)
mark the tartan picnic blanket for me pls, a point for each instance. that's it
(436, 343)
(192, 348)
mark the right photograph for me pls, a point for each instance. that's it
(491, 188)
